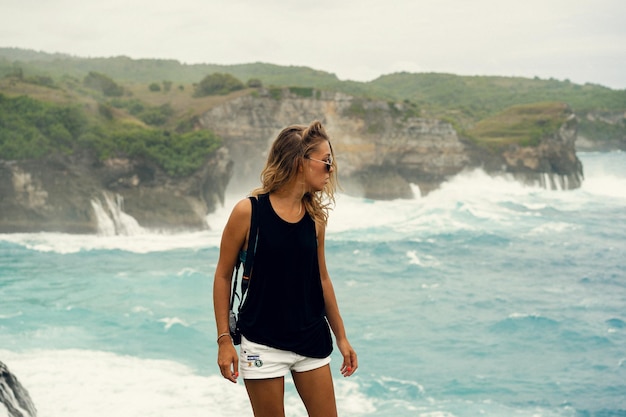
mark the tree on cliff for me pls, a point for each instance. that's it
(101, 82)
(217, 84)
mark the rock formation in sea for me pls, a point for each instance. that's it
(14, 396)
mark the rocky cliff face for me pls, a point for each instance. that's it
(78, 194)
(602, 131)
(552, 164)
(380, 147)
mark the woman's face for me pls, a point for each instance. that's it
(317, 167)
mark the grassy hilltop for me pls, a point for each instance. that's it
(148, 107)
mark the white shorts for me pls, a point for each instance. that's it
(258, 361)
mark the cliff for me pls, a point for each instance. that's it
(79, 194)
(602, 131)
(535, 144)
(381, 147)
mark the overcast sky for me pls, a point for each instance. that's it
(580, 40)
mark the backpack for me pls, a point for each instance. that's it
(246, 258)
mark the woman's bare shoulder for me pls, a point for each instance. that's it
(242, 209)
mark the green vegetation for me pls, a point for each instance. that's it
(217, 83)
(491, 94)
(177, 154)
(104, 84)
(473, 93)
(254, 83)
(306, 92)
(276, 93)
(524, 125)
(151, 115)
(31, 129)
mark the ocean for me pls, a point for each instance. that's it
(484, 298)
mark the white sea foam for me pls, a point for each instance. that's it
(553, 227)
(112, 220)
(10, 316)
(144, 243)
(79, 383)
(171, 321)
(185, 272)
(473, 201)
(604, 174)
(421, 260)
(142, 309)
(606, 186)
(469, 201)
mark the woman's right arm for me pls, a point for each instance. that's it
(234, 239)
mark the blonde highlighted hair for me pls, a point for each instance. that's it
(292, 145)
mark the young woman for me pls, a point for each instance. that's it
(290, 302)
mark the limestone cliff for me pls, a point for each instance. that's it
(602, 131)
(79, 194)
(534, 143)
(381, 148)
(553, 163)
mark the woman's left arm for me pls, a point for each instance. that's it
(350, 361)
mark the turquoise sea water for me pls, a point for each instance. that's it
(486, 298)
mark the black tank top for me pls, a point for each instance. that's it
(284, 307)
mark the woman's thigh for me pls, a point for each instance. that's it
(266, 396)
(317, 391)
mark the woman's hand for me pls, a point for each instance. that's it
(350, 361)
(228, 360)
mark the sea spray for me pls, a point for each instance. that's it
(111, 218)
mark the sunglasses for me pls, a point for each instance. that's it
(328, 163)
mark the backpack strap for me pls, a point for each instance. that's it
(253, 240)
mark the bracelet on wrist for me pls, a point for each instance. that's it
(221, 335)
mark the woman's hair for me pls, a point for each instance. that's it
(291, 146)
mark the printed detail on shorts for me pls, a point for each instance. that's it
(254, 359)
